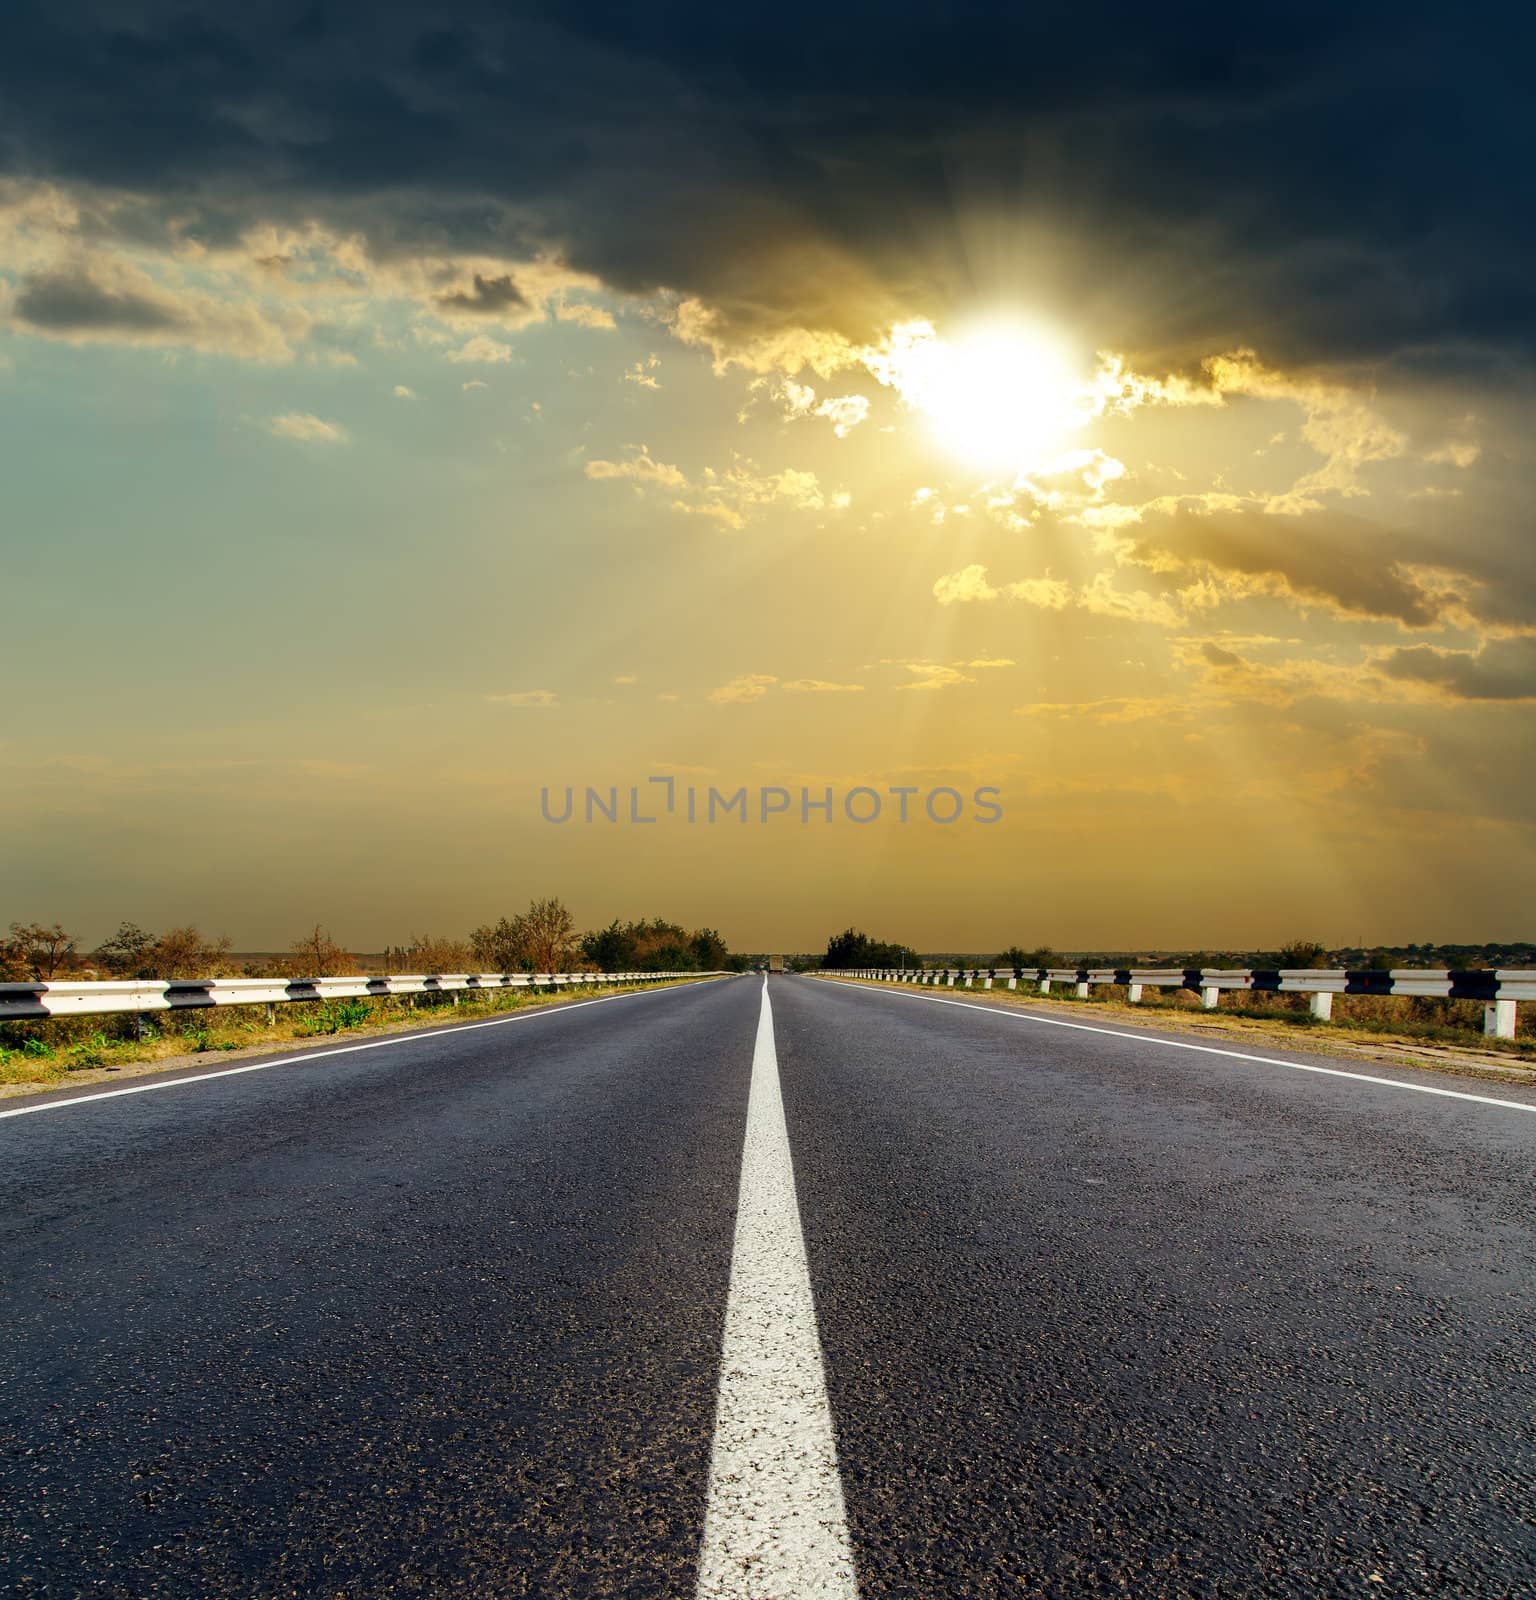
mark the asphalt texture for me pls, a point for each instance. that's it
(1099, 1316)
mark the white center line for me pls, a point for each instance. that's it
(775, 1526)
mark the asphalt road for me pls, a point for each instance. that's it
(1097, 1316)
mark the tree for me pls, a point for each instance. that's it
(610, 949)
(185, 953)
(429, 955)
(550, 934)
(39, 952)
(850, 948)
(129, 953)
(541, 939)
(854, 949)
(498, 947)
(1301, 954)
(654, 946)
(317, 955)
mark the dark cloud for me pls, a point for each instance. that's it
(1346, 564)
(489, 297)
(1503, 669)
(1319, 180)
(71, 301)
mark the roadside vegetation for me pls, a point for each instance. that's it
(37, 1054)
(544, 938)
(1418, 1018)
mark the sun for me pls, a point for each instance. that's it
(1002, 396)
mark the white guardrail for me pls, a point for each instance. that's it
(45, 999)
(1498, 990)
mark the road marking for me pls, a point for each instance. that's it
(774, 1526)
(340, 1050)
(1203, 1049)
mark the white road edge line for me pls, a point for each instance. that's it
(1203, 1049)
(340, 1050)
(775, 1527)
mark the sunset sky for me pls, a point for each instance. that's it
(1124, 409)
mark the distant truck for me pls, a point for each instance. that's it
(775, 963)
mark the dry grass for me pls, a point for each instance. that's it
(42, 1054)
(1413, 1029)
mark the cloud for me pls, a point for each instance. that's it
(1458, 453)
(1332, 560)
(1224, 677)
(716, 511)
(1501, 670)
(640, 468)
(739, 342)
(539, 698)
(818, 686)
(583, 314)
(1073, 478)
(1341, 425)
(932, 675)
(72, 301)
(485, 297)
(844, 412)
(968, 584)
(971, 584)
(1112, 709)
(1104, 598)
(403, 391)
(106, 301)
(750, 686)
(1183, 177)
(482, 348)
(307, 429)
(729, 497)
(1048, 594)
(643, 373)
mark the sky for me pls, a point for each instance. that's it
(407, 413)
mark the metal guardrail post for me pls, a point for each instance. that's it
(1500, 991)
(1499, 1019)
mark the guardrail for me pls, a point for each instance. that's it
(19, 1001)
(1498, 990)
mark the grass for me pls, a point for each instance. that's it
(58, 1049)
(1401, 1019)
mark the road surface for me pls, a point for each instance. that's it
(851, 1292)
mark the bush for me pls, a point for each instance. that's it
(91, 1052)
(331, 1016)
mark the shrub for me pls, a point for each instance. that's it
(91, 1052)
(331, 1016)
